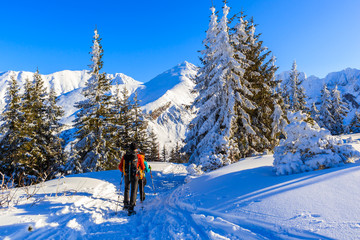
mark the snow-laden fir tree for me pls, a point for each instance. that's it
(339, 111)
(139, 125)
(39, 154)
(153, 153)
(124, 134)
(278, 116)
(10, 142)
(210, 141)
(295, 93)
(326, 119)
(314, 112)
(245, 135)
(93, 120)
(54, 115)
(309, 147)
(164, 154)
(266, 121)
(355, 123)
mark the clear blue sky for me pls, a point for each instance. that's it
(144, 38)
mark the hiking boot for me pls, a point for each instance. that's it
(126, 207)
(131, 212)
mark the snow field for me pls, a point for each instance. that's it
(245, 200)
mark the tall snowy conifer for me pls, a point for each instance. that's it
(210, 141)
(355, 123)
(295, 92)
(267, 117)
(93, 121)
(339, 112)
(244, 131)
(139, 125)
(326, 119)
(10, 142)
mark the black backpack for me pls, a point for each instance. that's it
(131, 161)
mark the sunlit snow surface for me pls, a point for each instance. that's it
(245, 200)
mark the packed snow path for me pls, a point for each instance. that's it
(245, 200)
(85, 208)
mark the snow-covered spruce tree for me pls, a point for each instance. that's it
(314, 112)
(117, 122)
(326, 119)
(295, 94)
(164, 154)
(10, 142)
(93, 121)
(210, 141)
(125, 120)
(245, 135)
(339, 111)
(266, 121)
(355, 123)
(309, 147)
(139, 125)
(153, 153)
(41, 152)
(54, 115)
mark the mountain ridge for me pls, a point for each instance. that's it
(166, 99)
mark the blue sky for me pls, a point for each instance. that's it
(144, 38)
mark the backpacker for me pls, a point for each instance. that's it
(130, 166)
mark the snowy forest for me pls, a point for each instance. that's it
(234, 149)
(241, 110)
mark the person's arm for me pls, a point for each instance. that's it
(146, 166)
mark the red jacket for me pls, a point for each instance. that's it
(140, 163)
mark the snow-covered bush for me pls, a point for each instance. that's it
(309, 147)
(194, 170)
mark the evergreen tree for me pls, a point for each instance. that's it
(153, 154)
(211, 142)
(355, 123)
(94, 147)
(326, 119)
(260, 74)
(118, 124)
(126, 119)
(39, 154)
(295, 94)
(139, 125)
(245, 134)
(54, 114)
(338, 111)
(164, 154)
(314, 113)
(10, 142)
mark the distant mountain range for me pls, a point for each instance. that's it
(167, 98)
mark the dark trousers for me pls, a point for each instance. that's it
(142, 183)
(133, 184)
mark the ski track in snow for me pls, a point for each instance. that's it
(86, 206)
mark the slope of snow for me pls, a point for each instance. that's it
(245, 200)
(171, 95)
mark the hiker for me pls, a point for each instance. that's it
(142, 178)
(130, 165)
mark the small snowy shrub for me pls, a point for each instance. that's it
(194, 170)
(309, 147)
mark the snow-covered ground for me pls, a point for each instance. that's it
(246, 200)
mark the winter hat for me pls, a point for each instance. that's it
(133, 146)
